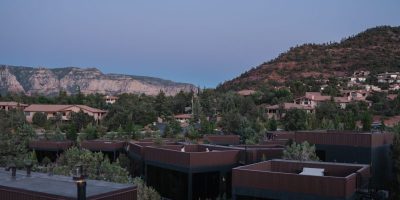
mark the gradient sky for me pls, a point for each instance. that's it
(201, 42)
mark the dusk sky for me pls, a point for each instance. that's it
(201, 42)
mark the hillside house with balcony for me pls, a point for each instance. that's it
(278, 111)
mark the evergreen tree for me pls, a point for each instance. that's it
(302, 152)
(39, 119)
(366, 121)
(295, 120)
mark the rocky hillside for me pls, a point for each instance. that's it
(376, 49)
(47, 81)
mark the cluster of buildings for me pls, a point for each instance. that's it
(391, 78)
(311, 100)
(352, 165)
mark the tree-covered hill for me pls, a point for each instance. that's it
(376, 49)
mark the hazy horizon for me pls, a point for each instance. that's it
(204, 43)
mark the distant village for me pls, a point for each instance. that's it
(311, 100)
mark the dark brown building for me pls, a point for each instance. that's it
(49, 149)
(44, 187)
(112, 148)
(222, 139)
(284, 180)
(190, 171)
(354, 147)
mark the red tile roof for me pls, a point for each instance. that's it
(316, 96)
(392, 96)
(183, 116)
(288, 106)
(341, 100)
(246, 92)
(12, 103)
(58, 108)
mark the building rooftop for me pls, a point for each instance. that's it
(344, 138)
(12, 103)
(246, 92)
(333, 180)
(317, 96)
(222, 139)
(59, 108)
(60, 187)
(183, 116)
(288, 106)
(49, 145)
(189, 156)
(103, 145)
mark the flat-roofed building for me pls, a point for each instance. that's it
(256, 153)
(222, 139)
(39, 186)
(285, 180)
(112, 148)
(190, 171)
(49, 149)
(135, 152)
(354, 147)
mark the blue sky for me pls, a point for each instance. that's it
(201, 42)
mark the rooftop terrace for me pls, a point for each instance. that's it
(338, 180)
(190, 156)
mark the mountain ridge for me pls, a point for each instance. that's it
(49, 81)
(376, 49)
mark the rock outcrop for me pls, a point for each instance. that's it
(47, 81)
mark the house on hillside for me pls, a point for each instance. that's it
(312, 99)
(391, 96)
(355, 94)
(389, 77)
(64, 110)
(110, 99)
(359, 76)
(9, 105)
(278, 111)
(341, 102)
(183, 118)
(374, 88)
(246, 92)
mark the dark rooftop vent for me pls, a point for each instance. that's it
(80, 179)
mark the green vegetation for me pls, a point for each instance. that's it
(145, 192)
(97, 166)
(302, 152)
(14, 138)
